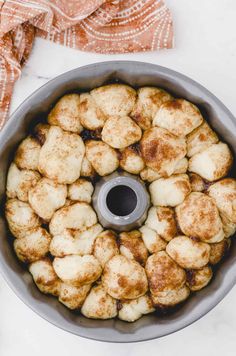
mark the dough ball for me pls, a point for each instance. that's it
(228, 226)
(162, 220)
(170, 298)
(149, 174)
(77, 243)
(181, 166)
(105, 247)
(200, 139)
(45, 277)
(161, 150)
(61, 156)
(132, 310)
(21, 218)
(124, 278)
(13, 179)
(224, 194)
(163, 273)
(178, 116)
(198, 279)
(27, 154)
(198, 216)
(33, 246)
(46, 197)
(19, 182)
(86, 168)
(197, 183)
(153, 242)
(133, 247)
(212, 163)
(188, 253)
(170, 191)
(78, 216)
(99, 304)
(91, 116)
(121, 132)
(131, 160)
(77, 270)
(148, 102)
(114, 99)
(219, 250)
(73, 297)
(66, 113)
(102, 157)
(81, 190)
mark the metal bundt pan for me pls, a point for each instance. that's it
(35, 107)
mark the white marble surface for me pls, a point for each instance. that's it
(206, 51)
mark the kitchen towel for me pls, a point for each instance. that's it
(102, 26)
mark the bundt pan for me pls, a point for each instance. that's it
(35, 108)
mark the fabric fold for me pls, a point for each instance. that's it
(102, 26)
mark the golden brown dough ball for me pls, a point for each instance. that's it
(219, 250)
(224, 194)
(91, 116)
(200, 139)
(132, 310)
(197, 183)
(103, 158)
(46, 197)
(114, 99)
(153, 242)
(124, 278)
(131, 160)
(76, 242)
(27, 154)
(99, 304)
(163, 273)
(162, 150)
(199, 217)
(162, 220)
(86, 168)
(73, 297)
(150, 175)
(20, 217)
(228, 226)
(181, 166)
(78, 216)
(19, 182)
(105, 247)
(61, 156)
(33, 246)
(148, 102)
(45, 277)
(188, 253)
(198, 279)
(133, 247)
(170, 191)
(170, 298)
(77, 270)
(81, 190)
(212, 163)
(121, 132)
(66, 113)
(178, 116)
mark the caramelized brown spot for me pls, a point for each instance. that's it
(174, 104)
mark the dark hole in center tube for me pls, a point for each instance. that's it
(121, 200)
